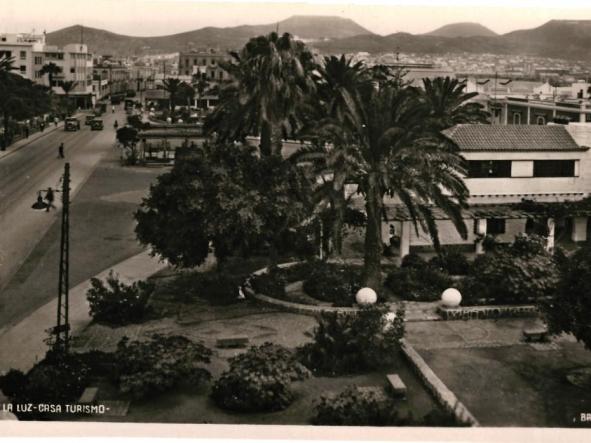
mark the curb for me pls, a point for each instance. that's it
(444, 396)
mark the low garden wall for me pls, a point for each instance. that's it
(489, 311)
(442, 394)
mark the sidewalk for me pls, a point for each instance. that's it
(30, 139)
(22, 345)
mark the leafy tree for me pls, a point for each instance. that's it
(224, 194)
(20, 98)
(184, 95)
(271, 79)
(50, 69)
(569, 310)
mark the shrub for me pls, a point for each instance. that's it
(414, 284)
(414, 261)
(333, 283)
(215, 287)
(355, 408)
(518, 273)
(451, 260)
(271, 283)
(146, 368)
(57, 379)
(117, 303)
(346, 343)
(259, 380)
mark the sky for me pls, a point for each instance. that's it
(164, 17)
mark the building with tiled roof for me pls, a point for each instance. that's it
(506, 165)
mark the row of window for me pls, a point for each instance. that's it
(195, 62)
(502, 168)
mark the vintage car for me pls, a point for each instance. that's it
(88, 119)
(72, 124)
(96, 125)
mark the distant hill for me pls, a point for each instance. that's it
(309, 28)
(557, 38)
(569, 39)
(466, 29)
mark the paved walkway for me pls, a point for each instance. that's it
(23, 345)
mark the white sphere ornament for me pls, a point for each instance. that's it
(366, 296)
(451, 298)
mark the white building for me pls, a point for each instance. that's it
(506, 165)
(31, 53)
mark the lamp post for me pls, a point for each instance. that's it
(62, 328)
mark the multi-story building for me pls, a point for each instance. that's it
(116, 73)
(31, 53)
(204, 64)
(507, 165)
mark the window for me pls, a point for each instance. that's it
(554, 168)
(23, 55)
(23, 68)
(72, 70)
(489, 168)
(38, 60)
(540, 120)
(495, 226)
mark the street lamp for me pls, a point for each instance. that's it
(62, 328)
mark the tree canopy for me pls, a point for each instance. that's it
(225, 195)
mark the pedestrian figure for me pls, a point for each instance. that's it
(60, 150)
(116, 125)
(49, 197)
(55, 120)
(26, 132)
(42, 126)
(113, 109)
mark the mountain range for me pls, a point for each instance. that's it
(557, 38)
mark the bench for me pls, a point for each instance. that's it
(396, 385)
(238, 341)
(88, 397)
(535, 334)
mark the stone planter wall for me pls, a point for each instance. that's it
(442, 394)
(484, 312)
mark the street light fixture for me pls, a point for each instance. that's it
(62, 328)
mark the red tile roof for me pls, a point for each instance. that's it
(476, 137)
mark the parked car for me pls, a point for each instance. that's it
(72, 124)
(88, 119)
(96, 125)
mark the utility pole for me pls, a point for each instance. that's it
(62, 329)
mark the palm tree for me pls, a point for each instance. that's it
(172, 86)
(50, 69)
(335, 105)
(271, 78)
(68, 86)
(6, 64)
(449, 104)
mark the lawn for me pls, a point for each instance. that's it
(516, 385)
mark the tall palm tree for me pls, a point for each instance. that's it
(400, 156)
(68, 86)
(339, 84)
(172, 86)
(271, 78)
(50, 69)
(449, 104)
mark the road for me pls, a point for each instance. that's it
(37, 166)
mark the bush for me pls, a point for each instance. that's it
(271, 283)
(57, 379)
(346, 343)
(413, 261)
(333, 283)
(117, 303)
(259, 380)
(215, 287)
(414, 284)
(451, 260)
(521, 272)
(159, 364)
(354, 408)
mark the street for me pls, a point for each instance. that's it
(23, 172)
